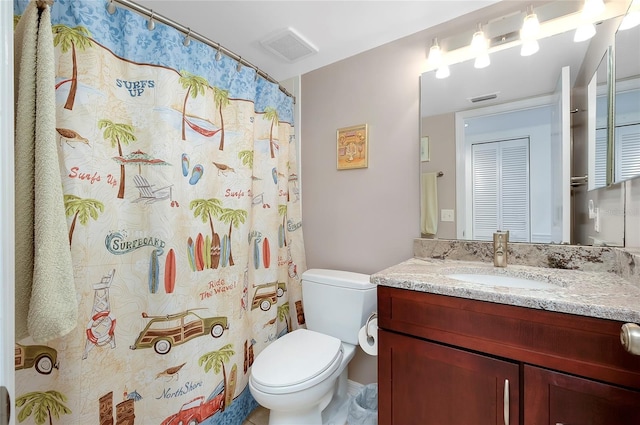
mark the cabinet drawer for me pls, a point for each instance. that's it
(580, 345)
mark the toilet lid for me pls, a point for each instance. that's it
(302, 356)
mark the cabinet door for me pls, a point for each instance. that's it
(555, 398)
(425, 383)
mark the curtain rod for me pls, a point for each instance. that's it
(195, 36)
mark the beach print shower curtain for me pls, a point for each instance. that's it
(182, 202)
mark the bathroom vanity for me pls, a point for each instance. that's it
(456, 352)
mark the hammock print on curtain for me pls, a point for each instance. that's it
(184, 221)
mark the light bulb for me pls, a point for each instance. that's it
(530, 27)
(529, 47)
(584, 32)
(478, 42)
(592, 8)
(443, 72)
(435, 55)
(482, 61)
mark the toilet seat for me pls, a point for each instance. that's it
(296, 361)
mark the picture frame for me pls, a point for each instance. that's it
(424, 149)
(352, 147)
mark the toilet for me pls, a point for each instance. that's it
(302, 376)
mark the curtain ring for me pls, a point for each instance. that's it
(257, 74)
(187, 40)
(150, 24)
(239, 65)
(111, 7)
(218, 54)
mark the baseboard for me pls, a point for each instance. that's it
(353, 387)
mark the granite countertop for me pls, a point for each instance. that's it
(587, 293)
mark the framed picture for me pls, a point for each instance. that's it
(353, 147)
(424, 149)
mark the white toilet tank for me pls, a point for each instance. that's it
(337, 303)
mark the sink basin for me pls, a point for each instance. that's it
(508, 281)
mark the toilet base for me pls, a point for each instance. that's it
(309, 416)
(337, 411)
(332, 409)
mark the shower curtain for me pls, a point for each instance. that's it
(181, 195)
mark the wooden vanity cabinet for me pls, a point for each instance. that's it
(445, 360)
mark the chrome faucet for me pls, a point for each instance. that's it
(500, 248)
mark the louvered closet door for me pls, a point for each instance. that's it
(500, 185)
(627, 139)
(601, 158)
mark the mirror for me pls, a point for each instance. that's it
(523, 103)
(599, 134)
(626, 132)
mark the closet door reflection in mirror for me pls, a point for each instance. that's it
(598, 125)
(627, 102)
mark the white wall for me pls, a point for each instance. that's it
(6, 209)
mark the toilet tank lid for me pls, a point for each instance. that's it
(340, 278)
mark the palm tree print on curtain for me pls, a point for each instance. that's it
(81, 209)
(117, 134)
(215, 360)
(71, 38)
(141, 97)
(42, 406)
(271, 114)
(206, 209)
(221, 98)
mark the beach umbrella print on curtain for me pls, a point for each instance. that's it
(139, 158)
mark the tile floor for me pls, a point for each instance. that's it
(260, 416)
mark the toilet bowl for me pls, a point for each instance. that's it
(302, 376)
(296, 376)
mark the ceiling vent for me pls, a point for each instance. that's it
(483, 98)
(287, 44)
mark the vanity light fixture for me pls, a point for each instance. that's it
(529, 47)
(480, 47)
(482, 61)
(435, 54)
(592, 8)
(443, 72)
(529, 33)
(584, 32)
(590, 11)
(632, 18)
(479, 43)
